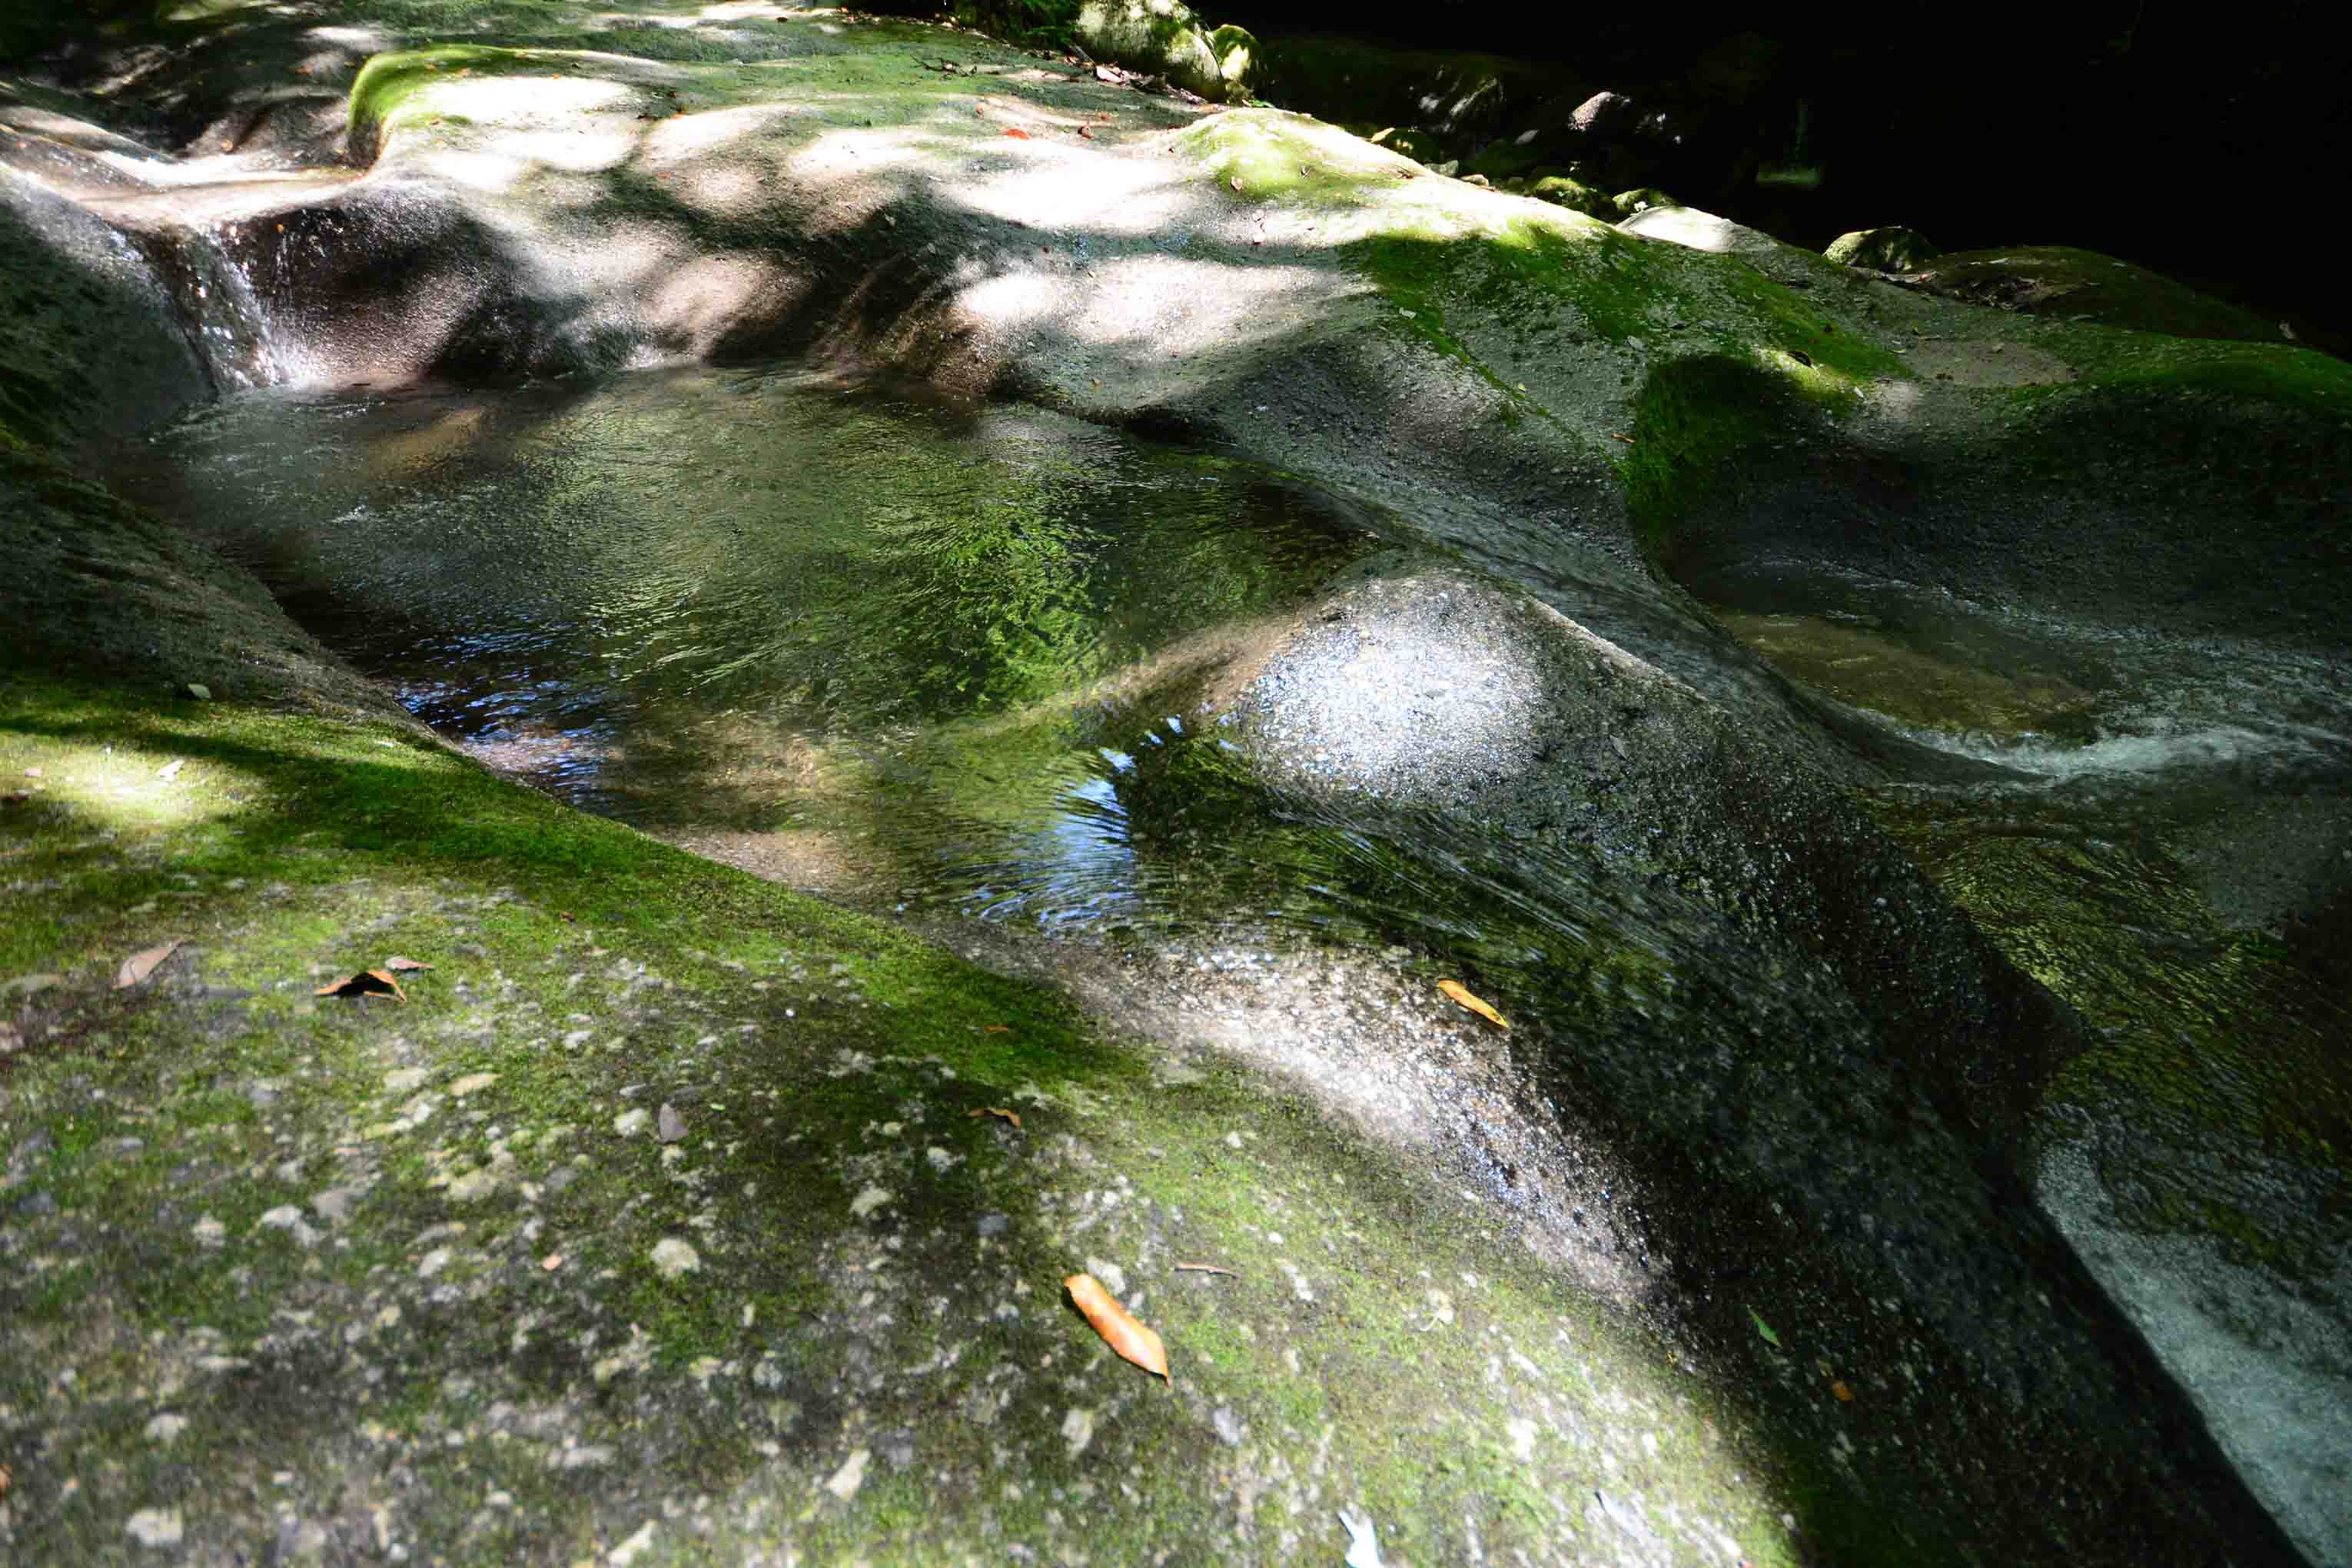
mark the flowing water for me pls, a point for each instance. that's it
(913, 656)
(928, 659)
(920, 656)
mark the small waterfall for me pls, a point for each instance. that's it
(217, 307)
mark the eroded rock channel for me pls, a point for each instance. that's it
(1176, 584)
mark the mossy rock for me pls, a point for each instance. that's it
(1504, 159)
(2083, 286)
(1893, 248)
(1460, 94)
(1641, 199)
(1576, 196)
(1238, 54)
(1162, 36)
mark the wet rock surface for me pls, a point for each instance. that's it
(645, 1229)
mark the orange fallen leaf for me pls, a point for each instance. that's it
(399, 965)
(373, 983)
(1130, 1338)
(1000, 1112)
(1016, 132)
(1846, 1394)
(1461, 992)
(140, 964)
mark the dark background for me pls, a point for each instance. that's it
(2212, 144)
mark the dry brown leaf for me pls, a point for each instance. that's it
(1120, 1331)
(551, 1262)
(1234, 181)
(997, 1029)
(373, 983)
(1000, 1112)
(140, 964)
(1461, 992)
(1207, 1268)
(399, 965)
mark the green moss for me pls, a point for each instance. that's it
(2299, 379)
(1561, 190)
(810, 1039)
(2223, 1030)
(1708, 429)
(2081, 285)
(388, 81)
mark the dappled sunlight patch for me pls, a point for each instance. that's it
(697, 307)
(710, 130)
(1168, 305)
(121, 789)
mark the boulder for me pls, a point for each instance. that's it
(1893, 248)
(1163, 36)
(1562, 190)
(1238, 54)
(1641, 199)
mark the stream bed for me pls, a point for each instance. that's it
(933, 660)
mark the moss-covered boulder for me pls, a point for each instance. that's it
(2084, 286)
(1641, 199)
(1563, 190)
(1163, 37)
(1892, 249)
(1239, 56)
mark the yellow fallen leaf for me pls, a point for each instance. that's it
(140, 964)
(1461, 992)
(1120, 1331)
(1000, 1112)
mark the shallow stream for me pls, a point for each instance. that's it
(922, 656)
(943, 661)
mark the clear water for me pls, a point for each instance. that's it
(2146, 842)
(912, 657)
(854, 641)
(2052, 701)
(922, 657)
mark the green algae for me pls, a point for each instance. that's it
(450, 1119)
(2225, 1030)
